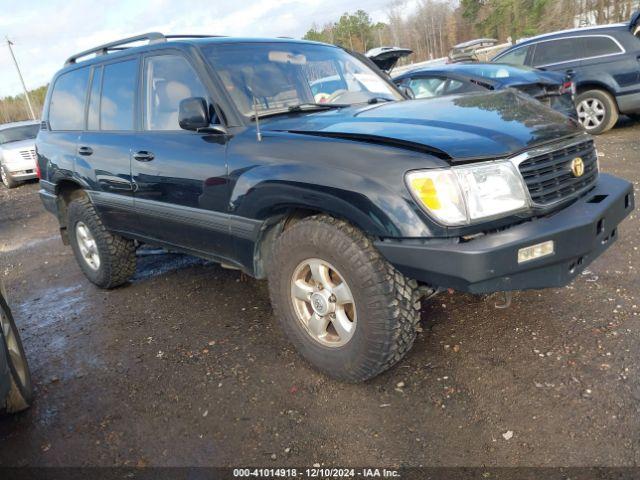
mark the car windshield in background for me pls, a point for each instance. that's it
(17, 134)
(273, 77)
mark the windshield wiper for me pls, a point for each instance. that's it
(301, 107)
(373, 100)
(312, 106)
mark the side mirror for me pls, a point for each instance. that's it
(407, 92)
(193, 114)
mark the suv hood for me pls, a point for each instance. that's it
(455, 128)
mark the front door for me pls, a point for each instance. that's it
(179, 177)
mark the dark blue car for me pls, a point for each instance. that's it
(603, 61)
(552, 89)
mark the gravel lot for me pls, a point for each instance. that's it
(187, 366)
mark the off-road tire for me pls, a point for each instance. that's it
(386, 302)
(20, 394)
(117, 254)
(611, 109)
(7, 179)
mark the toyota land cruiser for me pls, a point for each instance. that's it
(297, 162)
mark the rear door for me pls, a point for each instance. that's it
(62, 124)
(104, 148)
(180, 177)
(559, 54)
(607, 57)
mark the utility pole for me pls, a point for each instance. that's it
(24, 87)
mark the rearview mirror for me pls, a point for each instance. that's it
(193, 113)
(407, 92)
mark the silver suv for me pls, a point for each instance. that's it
(18, 152)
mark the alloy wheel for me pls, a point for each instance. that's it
(88, 246)
(591, 113)
(323, 302)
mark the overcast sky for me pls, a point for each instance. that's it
(46, 32)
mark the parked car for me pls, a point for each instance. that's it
(550, 88)
(386, 58)
(16, 391)
(17, 152)
(353, 209)
(602, 61)
(467, 51)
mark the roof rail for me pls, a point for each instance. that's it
(152, 37)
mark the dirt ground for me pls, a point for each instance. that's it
(186, 365)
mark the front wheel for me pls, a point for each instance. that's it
(107, 259)
(597, 111)
(7, 179)
(343, 306)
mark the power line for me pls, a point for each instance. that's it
(24, 87)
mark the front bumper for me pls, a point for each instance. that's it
(581, 232)
(24, 175)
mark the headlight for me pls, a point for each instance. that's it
(462, 195)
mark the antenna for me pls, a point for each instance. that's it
(255, 115)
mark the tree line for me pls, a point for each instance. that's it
(13, 109)
(431, 27)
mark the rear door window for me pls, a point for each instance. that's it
(558, 51)
(66, 110)
(517, 56)
(597, 46)
(118, 96)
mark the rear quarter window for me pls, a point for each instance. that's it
(596, 46)
(66, 109)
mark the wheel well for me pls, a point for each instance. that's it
(274, 226)
(67, 191)
(583, 87)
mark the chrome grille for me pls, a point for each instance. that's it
(548, 176)
(28, 154)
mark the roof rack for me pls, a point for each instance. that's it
(152, 37)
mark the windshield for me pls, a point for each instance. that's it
(277, 76)
(15, 134)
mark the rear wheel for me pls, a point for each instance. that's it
(108, 260)
(21, 390)
(7, 179)
(343, 306)
(597, 111)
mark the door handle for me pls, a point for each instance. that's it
(86, 151)
(143, 156)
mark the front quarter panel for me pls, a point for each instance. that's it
(362, 183)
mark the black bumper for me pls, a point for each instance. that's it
(581, 232)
